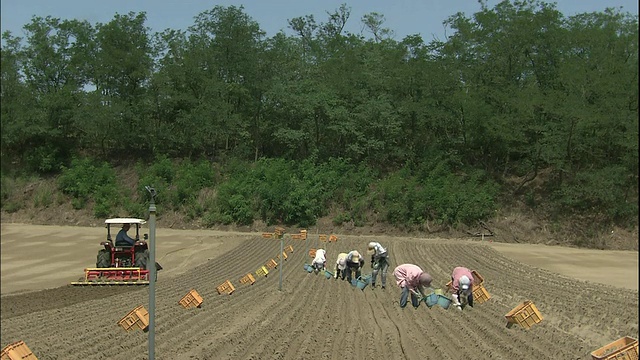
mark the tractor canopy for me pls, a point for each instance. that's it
(121, 221)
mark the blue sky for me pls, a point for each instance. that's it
(404, 17)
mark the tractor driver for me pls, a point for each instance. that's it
(122, 239)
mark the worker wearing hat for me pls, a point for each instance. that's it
(320, 261)
(355, 262)
(461, 287)
(339, 270)
(379, 262)
(412, 280)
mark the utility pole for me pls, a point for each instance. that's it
(281, 261)
(151, 266)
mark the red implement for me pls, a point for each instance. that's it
(114, 276)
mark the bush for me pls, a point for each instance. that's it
(44, 159)
(438, 195)
(43, 196)
(190, 179)
(602, 191)
(87, 179)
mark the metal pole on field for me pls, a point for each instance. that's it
(306, 243)
(152, 272)
(281, 261)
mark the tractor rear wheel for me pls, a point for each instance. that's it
(142, 257)
(104, 259)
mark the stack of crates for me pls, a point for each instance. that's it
(625, 348)
(526, 315)
(17, 351)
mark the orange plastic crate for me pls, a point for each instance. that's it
(248, 279)
(268, 235)
(271, 264)
(526, 315)
(289, 248)
(322, 237)
(137, 318)
(226, 287)
(17, 351)
(296, 237)
(304, 234)
(312, 253)
(477, 278)
(625, 348)
(192, 299)
(480, 294)
(284, 256)
(333, 238)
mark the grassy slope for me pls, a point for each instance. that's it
(38, 201)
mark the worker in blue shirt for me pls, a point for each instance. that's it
(122, 239)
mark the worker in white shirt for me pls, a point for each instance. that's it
(379, 262)
(320, 261)
(340, 268)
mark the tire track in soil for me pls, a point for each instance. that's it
(393, 335)
(316, 326)
(263, 335)
(185, 324)
(244, 306)
(246, 332)
(339, 326)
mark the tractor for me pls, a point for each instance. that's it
(123, 254)
(120, 263)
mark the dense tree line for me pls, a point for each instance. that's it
(518, 93)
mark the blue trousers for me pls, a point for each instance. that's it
(404, 297)
(378, 265)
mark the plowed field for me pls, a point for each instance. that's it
(311, 317)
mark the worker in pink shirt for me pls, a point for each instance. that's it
(412, 280)
(462, 286)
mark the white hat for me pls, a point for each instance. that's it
(342, 263)
(464, 282)
(355, 257)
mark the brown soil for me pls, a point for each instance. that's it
(311, 317)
